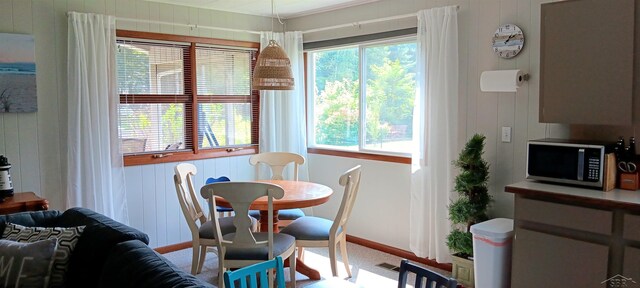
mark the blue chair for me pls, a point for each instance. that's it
(257, 273)
(423, 275)
(210, 180)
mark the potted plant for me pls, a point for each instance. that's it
(470, 207)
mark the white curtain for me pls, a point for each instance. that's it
(282, 113)
(95, 164)
(436, 126)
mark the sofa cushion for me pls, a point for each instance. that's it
(31, 219)
(99, 237)
(134, 264)
(26, 264)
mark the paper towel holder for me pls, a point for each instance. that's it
(502, 80)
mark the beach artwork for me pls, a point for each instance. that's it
(17, 73)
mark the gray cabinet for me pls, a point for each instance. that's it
(587, 62)
(546, 260)
(560, 243)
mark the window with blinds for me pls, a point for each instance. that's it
(227, 106)
(159, 102)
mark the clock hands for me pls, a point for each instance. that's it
(510, 36)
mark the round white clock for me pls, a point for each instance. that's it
(508, 41)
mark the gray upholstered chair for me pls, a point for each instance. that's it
(201, 228)
(319, 232)
(244, 247)
(277, 161)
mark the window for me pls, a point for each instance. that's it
(187, 100)
(361, 97)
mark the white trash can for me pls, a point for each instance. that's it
(492, 253)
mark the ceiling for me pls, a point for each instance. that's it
(285, 8)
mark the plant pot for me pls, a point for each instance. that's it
(463, 271)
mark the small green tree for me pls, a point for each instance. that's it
(471, 206)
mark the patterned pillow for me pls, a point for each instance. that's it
(67, 239)
(26, 264)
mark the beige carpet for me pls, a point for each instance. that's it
(364, 266)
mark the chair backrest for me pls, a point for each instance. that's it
(186, 195)
(250, 275)
(423, 277)
(277, 161)
(350, 180)
(133, 145)
(240, 195)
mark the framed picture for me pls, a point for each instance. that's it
(17, 73)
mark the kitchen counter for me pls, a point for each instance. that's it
(569, 236)
(614, 199)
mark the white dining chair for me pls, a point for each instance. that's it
(277, 161)
(202, 235)
(245, 247)
(312, 231)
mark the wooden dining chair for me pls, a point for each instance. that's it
(424, 277)
(277, 161)
(201, 228)
(319, 232)
(256, 275)
(245, 247)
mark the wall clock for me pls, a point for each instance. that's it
(508, 41)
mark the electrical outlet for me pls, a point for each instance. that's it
(506, 134)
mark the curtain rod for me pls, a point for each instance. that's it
(187, 25)
(358, 23)
(353, 24)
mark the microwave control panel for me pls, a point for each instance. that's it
(593, 168)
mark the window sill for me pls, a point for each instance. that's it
(360, 155)
(181, 156)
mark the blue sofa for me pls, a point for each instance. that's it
(109, 253)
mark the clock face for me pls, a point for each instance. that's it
(508, 41)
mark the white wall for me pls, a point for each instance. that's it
(35, 143)
(381, 213)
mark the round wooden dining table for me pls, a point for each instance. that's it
(297, 194)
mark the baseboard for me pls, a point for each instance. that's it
(353, 239)
(173, 247)
(398, 252)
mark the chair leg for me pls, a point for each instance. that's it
(292, 269)
(203, 255)
(301, 253)
(194, 260)
(345, 257)
(332, 259)
(220, 275)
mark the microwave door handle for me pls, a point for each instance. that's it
(580, 164)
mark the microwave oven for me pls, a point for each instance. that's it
(566, 161)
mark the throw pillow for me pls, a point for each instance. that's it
(67, 239)
(26, 264)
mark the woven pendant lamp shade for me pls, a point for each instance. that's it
(273, 69)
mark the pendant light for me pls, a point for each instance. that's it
(273, 67)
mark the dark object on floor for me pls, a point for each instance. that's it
(423, 275)
(109, 253)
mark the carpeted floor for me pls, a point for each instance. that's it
(364, 266)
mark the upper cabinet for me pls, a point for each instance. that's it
(587, 62)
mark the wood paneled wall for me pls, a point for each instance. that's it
(36, 142)
(480, 112)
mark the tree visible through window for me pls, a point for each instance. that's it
(363, 97)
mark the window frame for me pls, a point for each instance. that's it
(195, 153)
(362, 152)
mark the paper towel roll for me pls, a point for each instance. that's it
(501, 80)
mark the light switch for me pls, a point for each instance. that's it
(506, 134)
